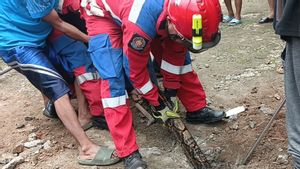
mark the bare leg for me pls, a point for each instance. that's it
(229, 7)
(68, 116)
(271, 8)
(238, 6)
(84, 116)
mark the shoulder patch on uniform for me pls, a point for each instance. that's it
(138, 42)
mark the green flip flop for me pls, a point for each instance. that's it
(102, 158)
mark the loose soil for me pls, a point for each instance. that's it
(241, 70)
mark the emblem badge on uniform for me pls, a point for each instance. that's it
(138, 42)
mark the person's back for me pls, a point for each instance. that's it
(21, 23)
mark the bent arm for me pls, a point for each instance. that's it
(65, 27)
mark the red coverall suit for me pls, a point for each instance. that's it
(72, 57)
(134, 28)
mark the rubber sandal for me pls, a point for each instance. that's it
(104, 157)
(234, 22)
(265, 20)
(227, 18)
(87, 126)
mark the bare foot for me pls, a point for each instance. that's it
(83, 120)
(88, 153)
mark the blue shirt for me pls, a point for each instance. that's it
(21, 22)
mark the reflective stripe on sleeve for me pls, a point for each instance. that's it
(178, 70)
(146, 88)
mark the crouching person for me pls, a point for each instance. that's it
(23, 33)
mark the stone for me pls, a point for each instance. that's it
(33, 143)
(148, 152)
(252, 124)
(254, 90)
(19, 126)
(14, 162)
(266, 110)
(6, 157)
(18, 149)
(32, 136)
(29, 118)
(282, 159)
(47, 145)
(235, 126)
(277, 96)
(70, 146)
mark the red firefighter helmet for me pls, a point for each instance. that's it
(180, 14)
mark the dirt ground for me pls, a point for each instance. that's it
(241, 70)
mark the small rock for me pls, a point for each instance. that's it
(254, 90)
(280, 69)
(34, 161)
(31, 137)
(70, 146)
(252, 124)
(280, 149)
(245, 128)
(215, 130)
(206, 65)
(31, 152)
(282, 159)
(34, 129)
(47, 145)
(235, 126)
(148, 152)
(6, 157)
(277, 96)
(19, 126)
(54, 142)
(233, 117)
(33, 143)
(14, 162)
(18, 149)
(265, 109)
(29, 118)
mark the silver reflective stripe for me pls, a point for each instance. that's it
(146, 88)
(87, 76)
(135, 10)
(114, 101)
(35, 68)
(178, 70)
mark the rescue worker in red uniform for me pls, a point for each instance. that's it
(71, 59)
(123, 33)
